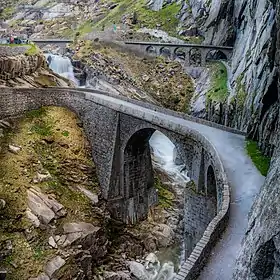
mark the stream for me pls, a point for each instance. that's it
(165, 262)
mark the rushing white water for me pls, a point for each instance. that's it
(164, 158)
(62, 66)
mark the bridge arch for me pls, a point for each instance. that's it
(195, 57)
(166, 52)
(151, 50)
(180, 53)
(216, 55)
(211, 184)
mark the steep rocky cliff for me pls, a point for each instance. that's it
(259, 258)
(250, 27)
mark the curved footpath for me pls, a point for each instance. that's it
(243, 177)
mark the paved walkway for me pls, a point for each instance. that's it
(244, 180)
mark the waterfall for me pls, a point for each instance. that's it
(164, 158)
(62, 66)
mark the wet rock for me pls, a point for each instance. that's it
(54, 265)
(14, 149)
(138, 270)
(2, 204)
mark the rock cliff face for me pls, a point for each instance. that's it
(259, 258)
(250, 27)
(17, 69)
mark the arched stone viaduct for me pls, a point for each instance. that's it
(119, 129)
(120, 145)
(191, 54)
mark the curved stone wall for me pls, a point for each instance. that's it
(17, 101)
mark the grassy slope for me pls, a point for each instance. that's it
(219, 91)
(50, 139)
(261, 162)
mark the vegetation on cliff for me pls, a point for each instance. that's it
(218, 92)
(261, 162)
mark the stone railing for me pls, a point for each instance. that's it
(193, 265)
(166, 111)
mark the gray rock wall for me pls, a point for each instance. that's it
(248, 25)
(259, 258)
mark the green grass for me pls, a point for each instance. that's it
(32, 49)
(7, 13)
(261, 162)
(166, 17)
(165, 196)
(219, 91)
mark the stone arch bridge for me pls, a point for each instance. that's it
(119, 129)
(191, 54)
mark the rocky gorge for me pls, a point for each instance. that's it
(245, 98)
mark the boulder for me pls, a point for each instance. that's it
(14, 149)
(44, 207)
(164, 235)
(93, 197)
(138, 270)
(2, 204)
(54, 265)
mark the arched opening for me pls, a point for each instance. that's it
(149, 154)
(166, 52)
(214, 55)
(151, 50)
(180, 53)
(211, 183)
(138, 174)
(195, 57)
